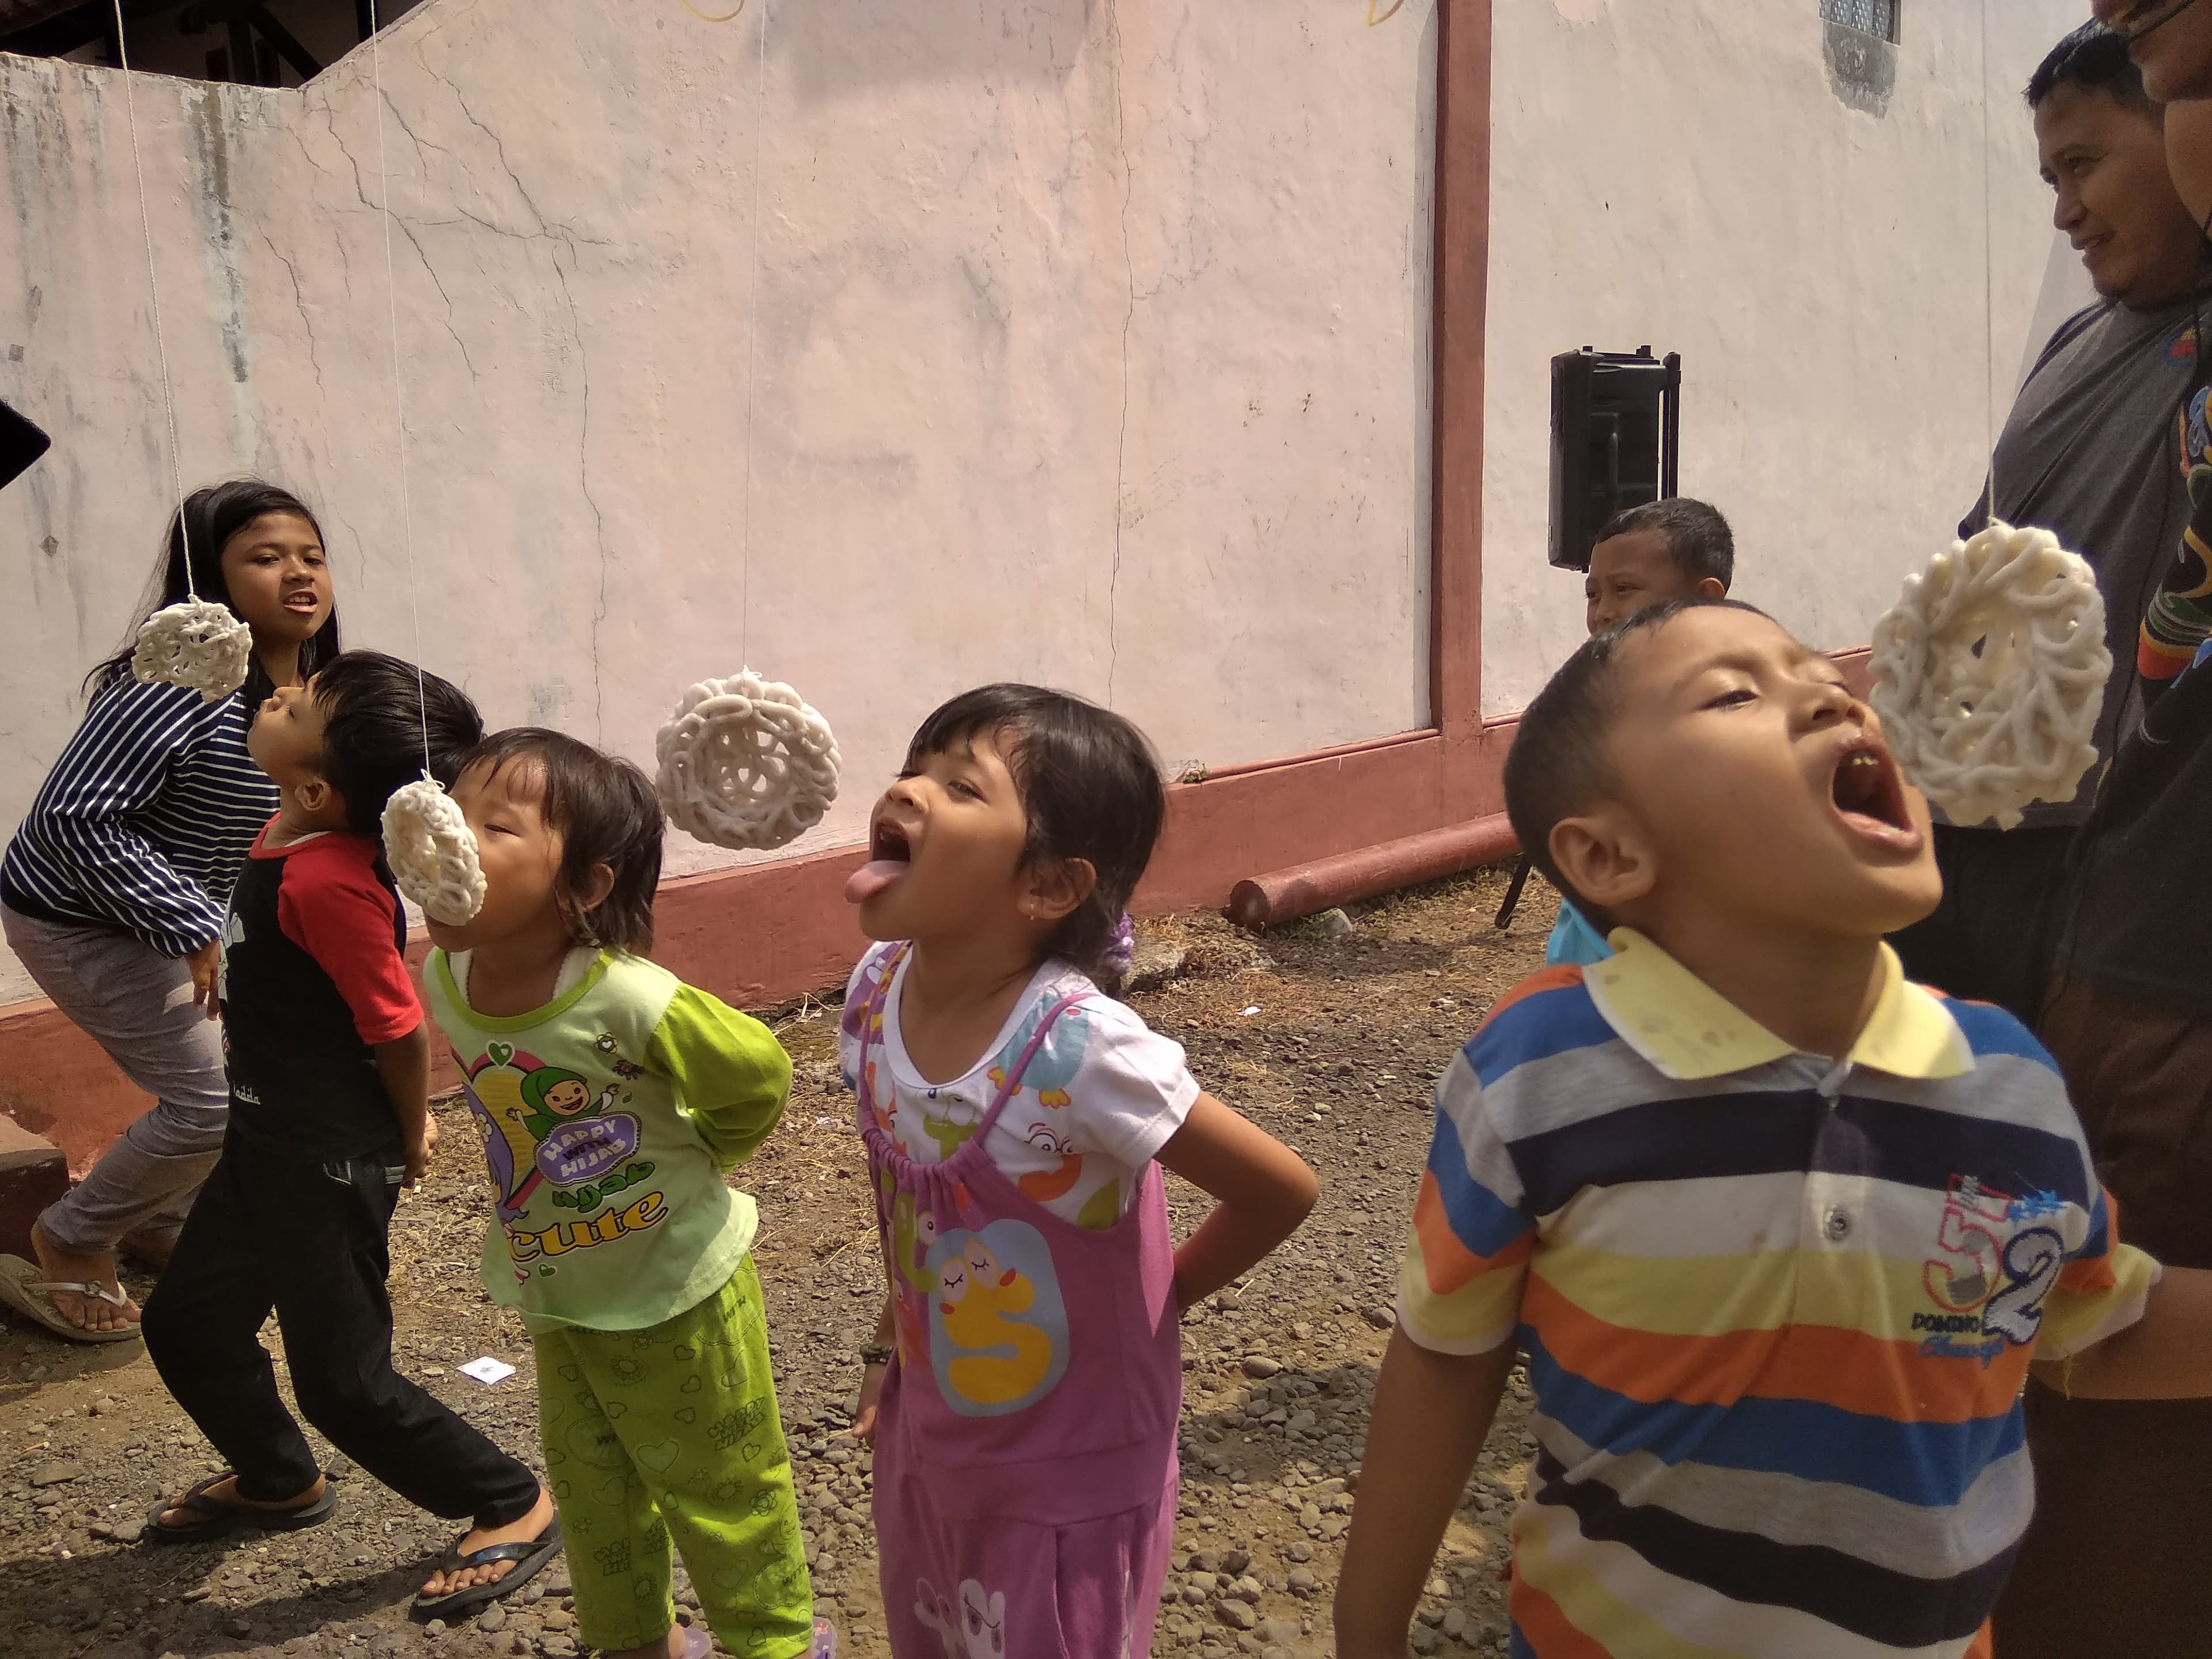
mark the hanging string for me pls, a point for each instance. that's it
(752, 347)
(1989, 282)
(154, 289)
(398, 384)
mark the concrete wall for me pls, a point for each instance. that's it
(1078, 342)
(1849, 273)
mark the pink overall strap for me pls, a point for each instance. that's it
(1012, 1086)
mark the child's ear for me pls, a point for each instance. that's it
(1712, 587)
(1057, 886)
(317, 795)
(598, 882)
(1604, 857)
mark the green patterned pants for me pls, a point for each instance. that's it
(672, 1432)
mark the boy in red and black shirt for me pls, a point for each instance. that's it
(329, 1060)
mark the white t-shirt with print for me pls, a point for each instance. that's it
(1101, 1095)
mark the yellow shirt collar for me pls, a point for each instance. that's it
(1688, 1031)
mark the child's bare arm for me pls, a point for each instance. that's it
(404, 1064)
(872, 1381)
(1432, 1412)
(2165, 1355)
(1263, 1190)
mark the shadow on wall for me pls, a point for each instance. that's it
(1862, 68)
(837, 46)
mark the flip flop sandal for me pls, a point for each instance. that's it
(530, 1557)
(24, 1289)
(226, 1517)
(825, 1642)
(697, 1644)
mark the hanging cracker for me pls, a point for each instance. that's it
(195, 643)
(745, 762)
(432, 852)
(1988, 673)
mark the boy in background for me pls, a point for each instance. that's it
(1676, 549)
(329, 1067)
(1779, 1233)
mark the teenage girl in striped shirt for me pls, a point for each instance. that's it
(112, 891)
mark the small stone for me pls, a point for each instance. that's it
(1331, 924)
(558, 1647)
(492, 1618)
(1425, 1640)
(58, 1473)
(1381, 1318)
(1431, 1616)
(557, 1620)
(1299, 1550)
(239, 1627)
(1229, 1300)
(103, 1407)
(1454, 1624)
(1300, 1422)
(1246, 1590)
(1259, 1365)
(1235, 1614)
(1436, 1587)
(1302, 1582)
(1234, 1562)
(1280, 1630)
(435, 1627)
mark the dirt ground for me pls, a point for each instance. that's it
(1331, 1043)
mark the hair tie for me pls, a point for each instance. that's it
(1120, 950)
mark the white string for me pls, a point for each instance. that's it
(399, 390)
(752, 346)
(154, 288)
(1989, 281)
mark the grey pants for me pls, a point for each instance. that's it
(136, 1004)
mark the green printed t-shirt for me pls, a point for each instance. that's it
(609, 1118)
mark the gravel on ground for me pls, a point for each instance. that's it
(1329, 1036)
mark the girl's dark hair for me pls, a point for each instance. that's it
(379, 715)
(213, 515)
(1090, 785)
(605, 812)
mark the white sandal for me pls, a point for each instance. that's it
(24, 1290)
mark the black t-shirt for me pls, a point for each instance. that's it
(2134, 928)
(312, 976)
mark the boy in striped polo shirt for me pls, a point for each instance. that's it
(1779, 1233)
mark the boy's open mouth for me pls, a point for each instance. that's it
(1867, 791)
(889, 856)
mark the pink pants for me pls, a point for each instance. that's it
(956, 1588)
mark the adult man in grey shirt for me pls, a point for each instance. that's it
(2088, 453)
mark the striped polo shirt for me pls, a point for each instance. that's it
(144, 822)
(1777, 1308)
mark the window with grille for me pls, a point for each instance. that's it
(1874, 17)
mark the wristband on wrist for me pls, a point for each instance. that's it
(875, 1353)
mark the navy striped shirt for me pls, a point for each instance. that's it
(145, 820)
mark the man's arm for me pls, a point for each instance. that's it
(2165, 1355)
(1432, 1412)
(404, 1064)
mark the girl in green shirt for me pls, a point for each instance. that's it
(612, 1100)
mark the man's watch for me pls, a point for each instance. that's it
(875, 1353)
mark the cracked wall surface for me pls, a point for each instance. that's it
(1683, 175)
(1088, 344)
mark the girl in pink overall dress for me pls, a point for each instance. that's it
(1016, 1120)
